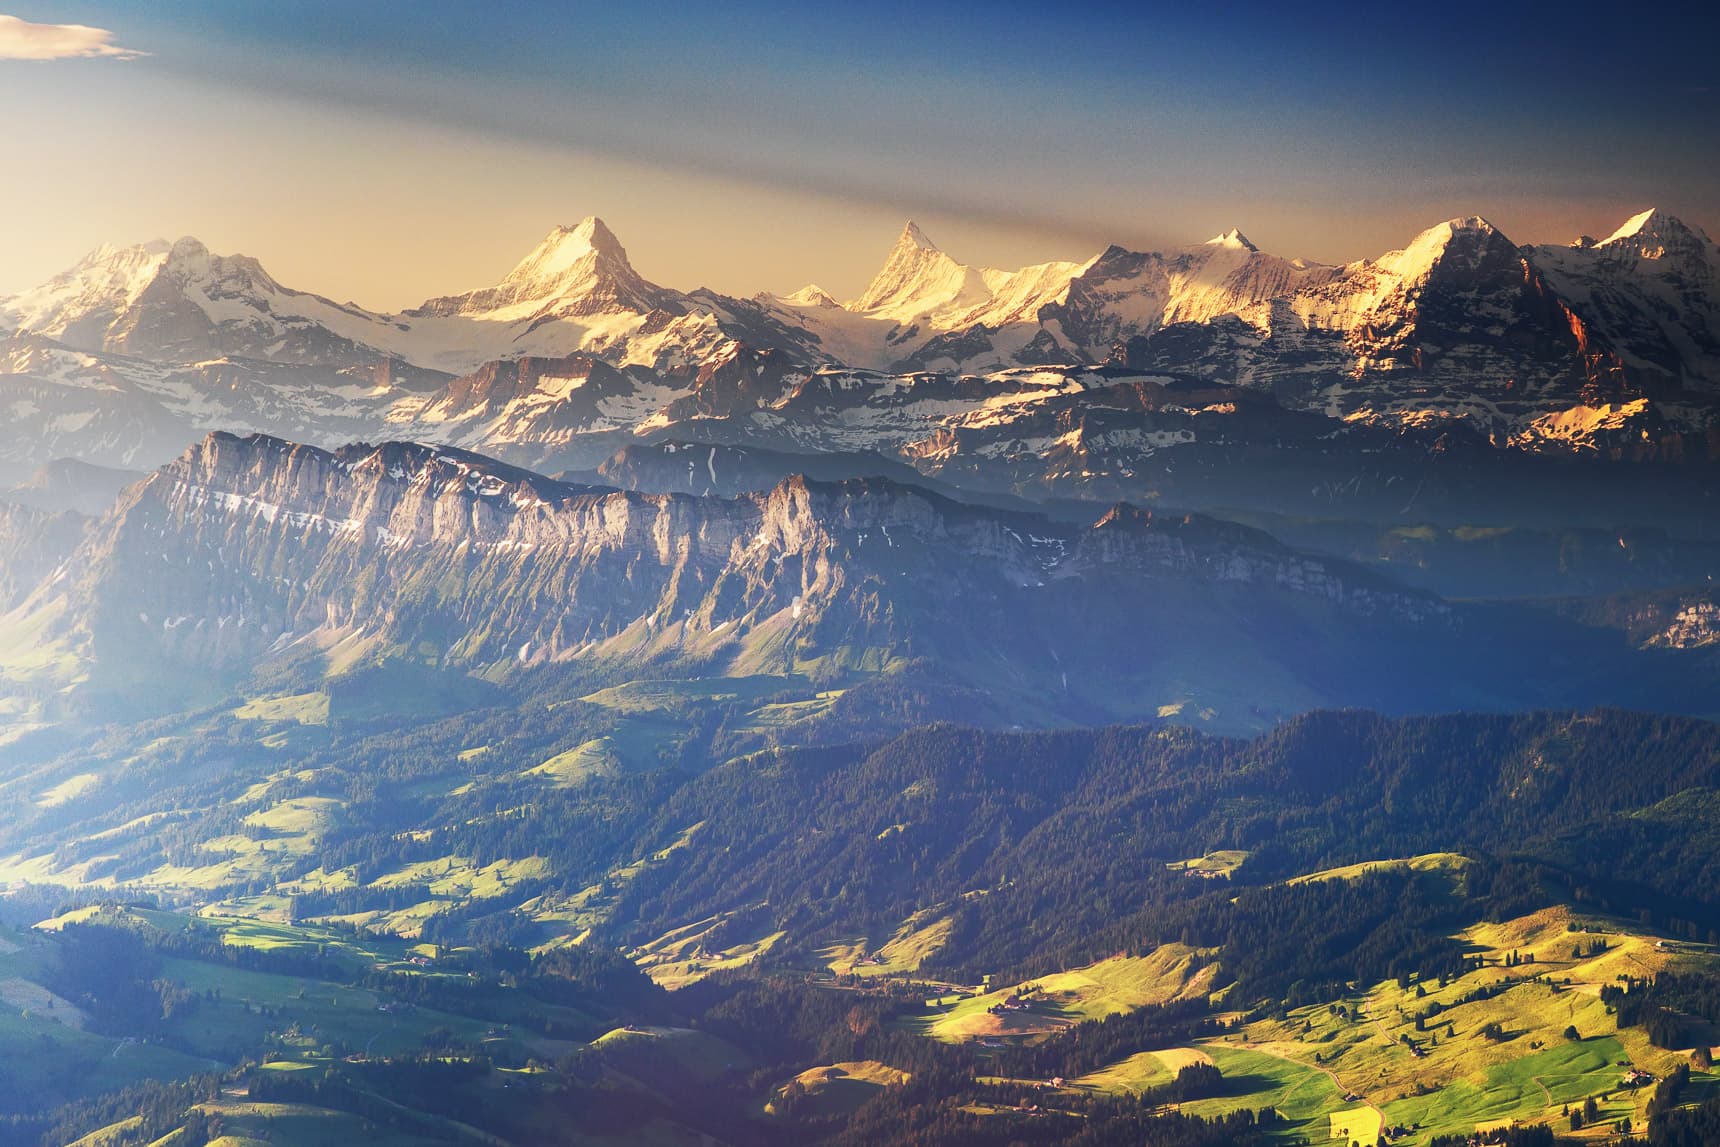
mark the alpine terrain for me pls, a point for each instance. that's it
(1171, 697)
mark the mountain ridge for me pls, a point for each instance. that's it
(280, 554)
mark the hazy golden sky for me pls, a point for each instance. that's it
(387, 152)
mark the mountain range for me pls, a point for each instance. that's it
(1602, 350)
(583, 472)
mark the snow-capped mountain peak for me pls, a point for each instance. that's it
(1651, 292)
(77, 305)
(1637, 224)
(1469, 235)
(190, 263)
(179, 302)
(188, 249)
(811, 295)
(565, 247)
(1514, 333)
(1653, 234)
(918, 279)
(912, 236)
(575, 271)
(1232, 239)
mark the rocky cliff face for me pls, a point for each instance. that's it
(247, 549)
(255, 553)
(35, 543)
(1650, 293)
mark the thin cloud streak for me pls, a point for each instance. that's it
(22, 40)
(537, 116)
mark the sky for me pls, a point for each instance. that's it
(386, 151)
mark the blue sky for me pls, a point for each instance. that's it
(760, 145)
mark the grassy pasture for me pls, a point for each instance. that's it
(1118, 984)
(1462, 1079)
(457, 877)
(683, 955)
(280, 835)
(67, 790)
(1138, 1073)
(1304, 1095)
(1305, 1062)
(1221, 863)
(302, 708)
(594, 758)
(1357, 1125)
(837, 1089)
(44, 1051)
(1530, 1089)
(406, 923)
(307, 939)
(112, 1133)
(643, 1052)
(297, 1016)
(1446, 862)
(919, 936)
(662, 696)
(782, 714)
(247, 1124)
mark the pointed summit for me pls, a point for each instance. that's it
(1232, 239)
(1470, 236)
(563, 249)
(189, 259)
(1645, 221)
(917, 279)
(79, 304)
(576, 271)
(1653, 233)
(188, 247)
(915, 238)
(811, 295)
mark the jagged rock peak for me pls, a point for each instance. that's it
(1232, 239)
(190, 261)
